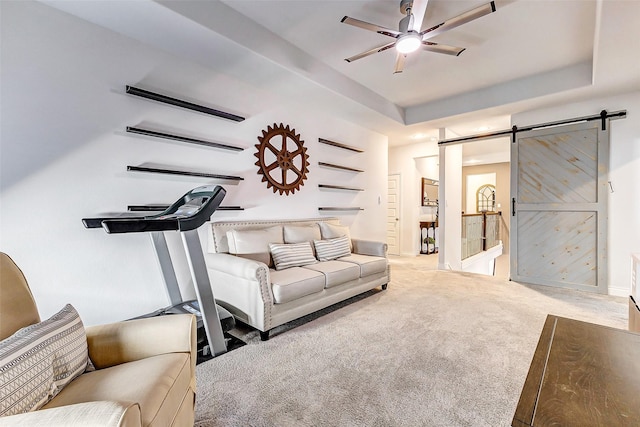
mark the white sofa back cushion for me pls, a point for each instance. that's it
(217, 237)
(301, 234)
(254, 244)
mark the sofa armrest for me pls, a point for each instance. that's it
(102, 413)
(368, 247)
(243, 268)
(121, 342)
(242, 286)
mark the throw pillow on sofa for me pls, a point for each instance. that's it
(331, 231)
(37, 361)
(291, 255)
(330, 249)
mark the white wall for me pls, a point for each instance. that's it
(64, 155)
(624, 174)
(402, 160)
(450, 196)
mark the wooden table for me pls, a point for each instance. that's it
(582, 374)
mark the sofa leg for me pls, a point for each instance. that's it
(384, 287)
(264, 336)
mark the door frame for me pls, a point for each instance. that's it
(399, 202)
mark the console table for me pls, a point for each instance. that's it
(582, 374)
(428, 231)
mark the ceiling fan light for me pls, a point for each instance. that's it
(408, 43)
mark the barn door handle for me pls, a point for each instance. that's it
(513, 206)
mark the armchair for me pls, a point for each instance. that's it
(144, 369)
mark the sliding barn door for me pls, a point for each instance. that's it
(559, 184)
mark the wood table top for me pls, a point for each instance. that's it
(582, 374)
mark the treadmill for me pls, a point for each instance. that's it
(185, 216)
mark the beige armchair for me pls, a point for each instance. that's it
(145, 369)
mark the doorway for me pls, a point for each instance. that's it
(393, 214)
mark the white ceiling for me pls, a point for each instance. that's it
(528, 54)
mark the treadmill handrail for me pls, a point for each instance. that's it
(168, 220)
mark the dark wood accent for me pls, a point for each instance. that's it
(582, 374)
(634, 315)
(339, 187)
(280, 157)
(189, 140)
(384, 287)
(330, 208)
(132, 90)
(264, 335)
(340, 145)
(345, 168)
(428, 225)
(182, 172)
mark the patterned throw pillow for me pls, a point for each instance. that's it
(291, 255)
(39, 360)
(331, 231)
(329, 249)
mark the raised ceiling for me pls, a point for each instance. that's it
(528, 54)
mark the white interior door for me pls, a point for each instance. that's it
(393, 215)
(559, 179)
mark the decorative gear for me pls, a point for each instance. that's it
(283, 161)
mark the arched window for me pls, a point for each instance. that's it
(486, 198)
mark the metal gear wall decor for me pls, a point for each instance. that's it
(282, 159)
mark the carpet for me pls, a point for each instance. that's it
(437, 348)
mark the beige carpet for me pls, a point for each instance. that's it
(436, 348)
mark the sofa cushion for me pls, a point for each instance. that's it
(39, 360)
(254, 244)
(158, 384)
(302, 233)
(291, 255)
(329, 249)
(331, 231)
(368, 264)
(336, 272)
(296, 282)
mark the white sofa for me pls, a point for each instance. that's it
(246, 281)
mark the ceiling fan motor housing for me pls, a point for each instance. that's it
(405, 6)
(406, 23)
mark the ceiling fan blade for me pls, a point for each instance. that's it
(371, 52)
(442, 48)
(459, 20)
(418, 10)
(400, 57)
(371, 27)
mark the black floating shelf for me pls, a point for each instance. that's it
(185, 173)
(339, 187)
(160, 208)
(148, 132)
(330, 208)
(340, 145)
(344, 168)
(132, 90)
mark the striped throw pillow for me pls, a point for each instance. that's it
(291, 255)
(329, 249)
(39, 360)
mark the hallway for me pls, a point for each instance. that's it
(430, 262)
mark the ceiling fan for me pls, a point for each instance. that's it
(409, 36)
